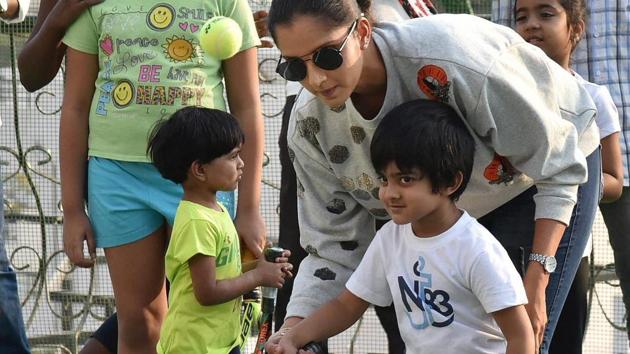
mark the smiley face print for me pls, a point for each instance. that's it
(123, 93)
(179, 49)
(161, 17)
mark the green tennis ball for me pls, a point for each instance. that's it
(221, 37)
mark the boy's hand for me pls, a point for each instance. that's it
(273, 274)
(517, 329)
(66, 11)
(260, 18)
(77, 230)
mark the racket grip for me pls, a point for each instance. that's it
(271, 253)
(313, 347)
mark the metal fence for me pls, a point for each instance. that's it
(62, 305)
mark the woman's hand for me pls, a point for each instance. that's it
(284, 346)
(272, 346)
(535, 282)
(547, 236)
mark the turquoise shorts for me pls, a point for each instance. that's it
(127, 201)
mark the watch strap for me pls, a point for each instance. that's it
(543, 260)
(537, 257)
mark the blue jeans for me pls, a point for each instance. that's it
(12, 334)
(617, 218)
(512, 224)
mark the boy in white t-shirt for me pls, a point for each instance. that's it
(453, 285)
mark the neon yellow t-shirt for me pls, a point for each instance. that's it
(150, 65)
(190, 327)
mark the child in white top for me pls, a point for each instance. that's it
(556, 27)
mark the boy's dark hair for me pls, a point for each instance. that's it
(192, 134)
(334, 12)
(428, 136)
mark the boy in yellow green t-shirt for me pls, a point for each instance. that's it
(199, 148)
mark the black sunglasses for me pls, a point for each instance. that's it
(327, 58)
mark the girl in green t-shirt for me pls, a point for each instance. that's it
(200, 149)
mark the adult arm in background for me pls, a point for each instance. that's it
(53, 19)
(16, 11)
(81, 74)
(244, 103)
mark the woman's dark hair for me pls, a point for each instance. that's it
(335, 12)
(192, 134)
(428, 136)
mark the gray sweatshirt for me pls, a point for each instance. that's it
(531, 121)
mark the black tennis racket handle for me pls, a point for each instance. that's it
(313, 347)
(271, 253)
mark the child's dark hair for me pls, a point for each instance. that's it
(334, 12)
(428, 136)
(192, 134)
(576, 13)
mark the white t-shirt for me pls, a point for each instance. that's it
(607, 117)
(464, 275)
(607, 120)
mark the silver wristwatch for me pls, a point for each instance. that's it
(548, 262)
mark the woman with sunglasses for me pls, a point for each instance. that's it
(288, 232)
(535, 144)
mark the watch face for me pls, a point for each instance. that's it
(550, 264)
